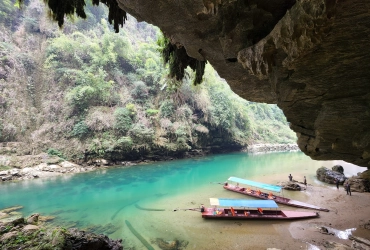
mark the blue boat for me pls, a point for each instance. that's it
(253, 188)
(242, 209)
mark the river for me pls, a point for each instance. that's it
(104, 200)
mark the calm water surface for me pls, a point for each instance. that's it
(103, 200)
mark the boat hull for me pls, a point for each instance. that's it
(245, 214)
(277, 199)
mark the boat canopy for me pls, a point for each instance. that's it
(273, 188)
(224, 202)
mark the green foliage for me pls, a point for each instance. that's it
(123, 121)
(7, 10)
(152, 112)
(80, 130)
(140, 91)
(141, 134)
(131, 108)
(116, 98)
(178, 60)
(91, 90)
(167, 109)
(124, 142)
(52, 151)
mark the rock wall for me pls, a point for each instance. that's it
(308, 56)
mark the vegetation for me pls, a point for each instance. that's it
(91, 91)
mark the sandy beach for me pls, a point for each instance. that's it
(346, 213)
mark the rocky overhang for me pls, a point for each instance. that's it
(310, 57)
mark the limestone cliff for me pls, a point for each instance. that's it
(311, 57)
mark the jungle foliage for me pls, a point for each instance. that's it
(88, 89)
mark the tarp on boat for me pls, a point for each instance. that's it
(261, 185)
(243, 203)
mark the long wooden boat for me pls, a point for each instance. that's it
(253, 210)
(257, 193)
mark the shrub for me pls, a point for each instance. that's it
(131, 107)
(167, 109)
(52, 151)
(125, 142)
(80, 130)
(140, 91)
(141, 134)
(152, 112)
(123, 121)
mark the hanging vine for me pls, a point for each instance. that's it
(59, 9)
(178, 60)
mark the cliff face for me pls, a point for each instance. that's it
(311, 57)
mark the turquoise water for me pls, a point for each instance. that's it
(102, 200)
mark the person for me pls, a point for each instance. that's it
(305, 181)
(348, 187)
(202, 208)
(290, 177)
(337, 182)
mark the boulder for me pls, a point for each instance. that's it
(2, 173)
(33, 219)
(83, 240)
(338, 168)
(358, 184)
(7, 178)
(30, 228)
(291, 185)
(9, 235)
(67, 164)
(329, 176)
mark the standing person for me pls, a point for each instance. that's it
(337, 182)
(290, 177)
(348, 189)
(305, 181)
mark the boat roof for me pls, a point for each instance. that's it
(224, 202)
(261, 185)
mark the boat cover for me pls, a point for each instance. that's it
(224, 202)
(273, 188)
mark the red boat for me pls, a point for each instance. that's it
(258, 210)
(266, 196)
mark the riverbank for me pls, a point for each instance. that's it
(349, 215)
(17, 165)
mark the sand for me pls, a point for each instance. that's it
(346, 214)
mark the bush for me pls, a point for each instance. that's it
(152, 112)
(52, 151)
(124, 142)
(167, 109)
(123, 121)
(140, 91)
(142, 134)
(132, 109)
(80, 130)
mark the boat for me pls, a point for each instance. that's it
(251, 210)
(254, 191)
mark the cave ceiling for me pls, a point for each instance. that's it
(310, 57)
